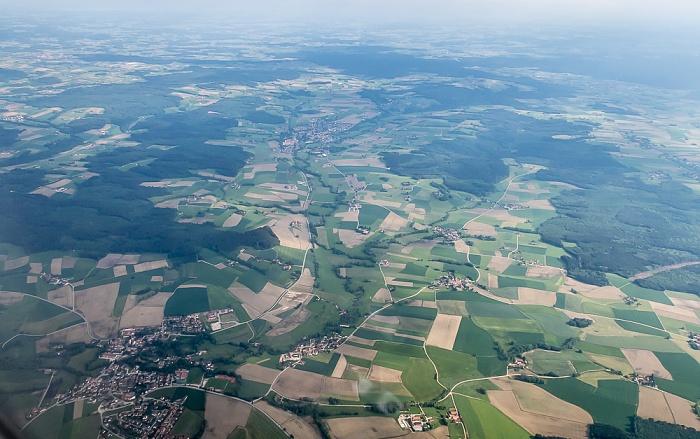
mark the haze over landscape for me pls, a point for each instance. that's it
(324, 219)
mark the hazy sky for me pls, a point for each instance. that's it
(622, 12)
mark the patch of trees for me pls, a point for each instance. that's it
(643, 429)
(605, 431)
(682, 279)
(463, 165)
(651, 429)
(580, 322)
(529, 379)
(112, 212)
(514, 350)
(264, 117)
(613, 236)
(539, 436)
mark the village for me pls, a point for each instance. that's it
(121, 387)
(311, 347)
(318, 130)
(417, 422)
(454, 283)
(448, 234)
(149, 418)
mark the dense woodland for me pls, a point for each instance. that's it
(112, 212)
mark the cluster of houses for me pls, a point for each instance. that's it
(130, 341)
(189, 324)
(532, 263)
(54, 280)
(629, 300)
(518, 364)
(214, 317)
(117, 386)
(354, 205)
(415, 422)
(318, 130)
(694, 340)
(453, 282)
(453, 414)
(150, 418)
(448, 234)
(511, 206)
(644, 380)
(18, 118)
(312, 347)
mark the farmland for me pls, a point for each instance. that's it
(450, 215)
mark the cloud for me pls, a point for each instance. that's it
(536, 12)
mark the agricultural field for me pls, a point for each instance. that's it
(415, 221)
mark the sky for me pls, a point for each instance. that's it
(612, 12)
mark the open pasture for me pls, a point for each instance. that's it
(675, 312)
(453, 366)
(381, 427)
(255, 372)
(484, 421)
(452, 307)
(645, 362)
(149, 312)
(444, 331)
(96, 304)
(187, 299)
(355, 351)
(297, 236)
(74, 334)
(292, 424)
(538, 411)
(612, 402)
(296, 384)
(256, 304)
(562, 363)
(531, 296)
(418, 379)
(223, 415)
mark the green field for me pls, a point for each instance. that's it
(656, 344)
(472, 339)
(613, 402)
(259, 425)
(563, 363)
(418, 378)
(189, 423)
(453, 366)
(635, 290)
(33, 316)
(250, 390)
(320, 367)
(644, 317)
(642, 329)
(683, 369)
(494, 309)
(225, 386)
(187, 301)
(377, 335)
(234, 335)
(416, 312)
(58, 423)
(484, 421)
